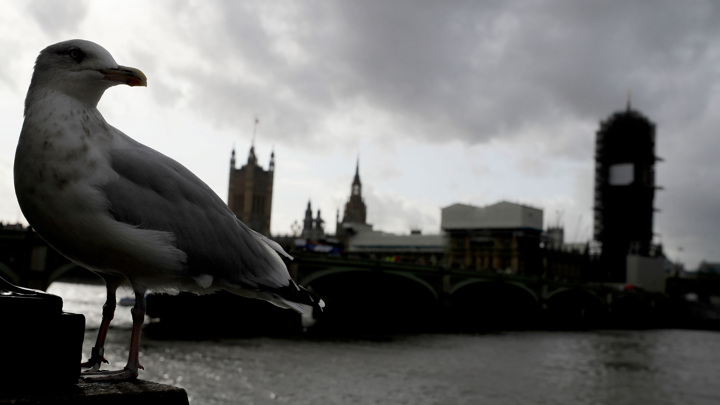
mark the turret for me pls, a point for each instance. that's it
(251, 156)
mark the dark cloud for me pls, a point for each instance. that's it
(468, 71)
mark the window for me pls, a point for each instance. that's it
(258, 205)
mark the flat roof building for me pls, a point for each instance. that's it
(500, 237)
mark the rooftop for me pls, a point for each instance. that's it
(502, 215)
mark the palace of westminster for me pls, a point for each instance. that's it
(502, 237)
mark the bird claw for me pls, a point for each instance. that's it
(125, 374)
(94, 363)
(96, 359)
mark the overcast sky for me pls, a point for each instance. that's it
(443, 102)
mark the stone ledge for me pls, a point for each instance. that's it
(137, 392)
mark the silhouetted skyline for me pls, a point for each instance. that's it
(470, 103)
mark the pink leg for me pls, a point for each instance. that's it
(130, 371)
(138, 316)
(97, 357)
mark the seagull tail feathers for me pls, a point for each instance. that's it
(299, 298)
(292, 296)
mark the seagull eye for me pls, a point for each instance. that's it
(76, 54)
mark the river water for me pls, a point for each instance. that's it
(589, 367)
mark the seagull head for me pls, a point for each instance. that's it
(80, 69)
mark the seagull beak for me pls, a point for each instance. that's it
(125, 75)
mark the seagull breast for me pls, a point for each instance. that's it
(116, 206)
(63, 162)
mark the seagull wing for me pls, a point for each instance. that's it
(152, 191)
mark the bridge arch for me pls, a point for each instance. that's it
(482, 304)
(306, 281)
(371, 300)
(55, 274)
(575, 308)
(471, 281)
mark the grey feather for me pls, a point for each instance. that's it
(152, 191)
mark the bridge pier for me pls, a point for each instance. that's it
(36, 277)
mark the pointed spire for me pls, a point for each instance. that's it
(356, 184)
(232, 157)
(257, 122)
(629, 99)
(356, 180)
(251, 156)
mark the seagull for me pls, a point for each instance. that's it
(126, 211)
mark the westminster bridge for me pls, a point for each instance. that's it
(360, 293)
(368, 292)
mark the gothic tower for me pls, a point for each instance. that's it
(355, 210)
(250, 192)
(308, 223)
